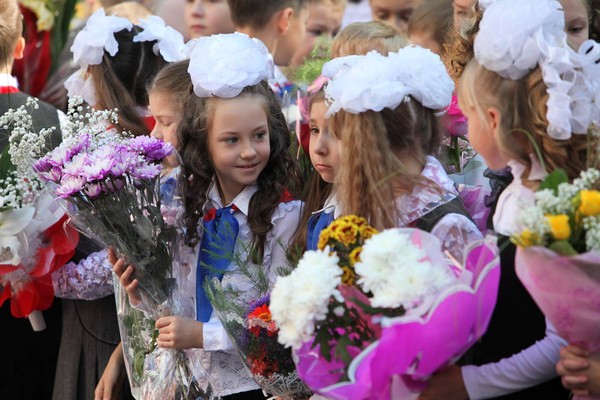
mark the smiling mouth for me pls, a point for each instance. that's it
(247, 166)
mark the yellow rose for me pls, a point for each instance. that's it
(526, 239)
(559, 226)
(590, 202)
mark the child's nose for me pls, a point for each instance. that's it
(248, 152)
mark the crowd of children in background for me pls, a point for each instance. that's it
(392, 158)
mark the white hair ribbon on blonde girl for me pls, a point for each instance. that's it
(515, 36)
(374, 82)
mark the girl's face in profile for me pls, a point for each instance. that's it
(324, 147)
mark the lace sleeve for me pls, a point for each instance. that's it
(456, 231)
(89, 279)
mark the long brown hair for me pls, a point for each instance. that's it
(198, 172)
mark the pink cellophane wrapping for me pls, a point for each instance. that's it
(411, 348)
(567, 290)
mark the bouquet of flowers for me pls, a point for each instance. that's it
(110, 186)
(252, 330)
(34, 237)
(558, 259)
(368, 314)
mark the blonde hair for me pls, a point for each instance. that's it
(521, 105)
(173, 80)
(10, 29)
(368, 187)
(362, 37)
(131, 10)
(458, 49)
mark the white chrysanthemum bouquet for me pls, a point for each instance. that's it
(558, 259)
(34, 238)
(344, 305)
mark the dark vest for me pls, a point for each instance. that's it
(45, 116)
(516, 323)
(428, 221)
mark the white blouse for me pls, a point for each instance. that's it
(219, 357)
(535, 364)
(455, 231)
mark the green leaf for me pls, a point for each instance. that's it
(563, 248)
(555, 178)
(6, 165)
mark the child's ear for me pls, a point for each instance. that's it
(492, 116)
(283, 20)
(19, 49)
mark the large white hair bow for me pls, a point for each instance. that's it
(169, 43)
(515, 36)
(97, 36)
(223, 65)
(374, 82)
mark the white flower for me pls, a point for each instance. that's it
(97, 36)
(223, 65)
(299, 301)
(374, 82)
(592, 235)
(397, 270)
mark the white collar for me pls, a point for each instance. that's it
(241, 201)
(8, 80)
(515, 198)
(331, 206)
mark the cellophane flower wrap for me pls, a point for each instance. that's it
(558, 255)
(246, 316)
(372, 315)
(35, 239)
(110, 186)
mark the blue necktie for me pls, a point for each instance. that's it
(316, 223)
(216, 253)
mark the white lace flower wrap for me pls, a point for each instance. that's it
(223, 65)
(97, 36)
(517, 35)
(169, 43)
(374, 82)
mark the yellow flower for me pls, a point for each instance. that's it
(324, 239)
(347, 234)
(590, 202)
(45, 17)
(348, 276)
(368, 231)
(355, 255)
(526, 239)
(559, 226)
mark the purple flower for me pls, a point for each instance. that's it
(151, 148)
(69, 186)
(146, 171)
(81, 146)
(93, 190)
(113, 185)
(53, 175)
(98, 169)
(77, 164)
(124, 160)
(42, 165)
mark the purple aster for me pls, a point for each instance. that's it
(93, 190)
(42, 165)
(54, 175)
(151, 148)
(98, 169)
(69, 186)
(146, 171)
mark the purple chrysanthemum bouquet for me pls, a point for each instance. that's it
(110, 185)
